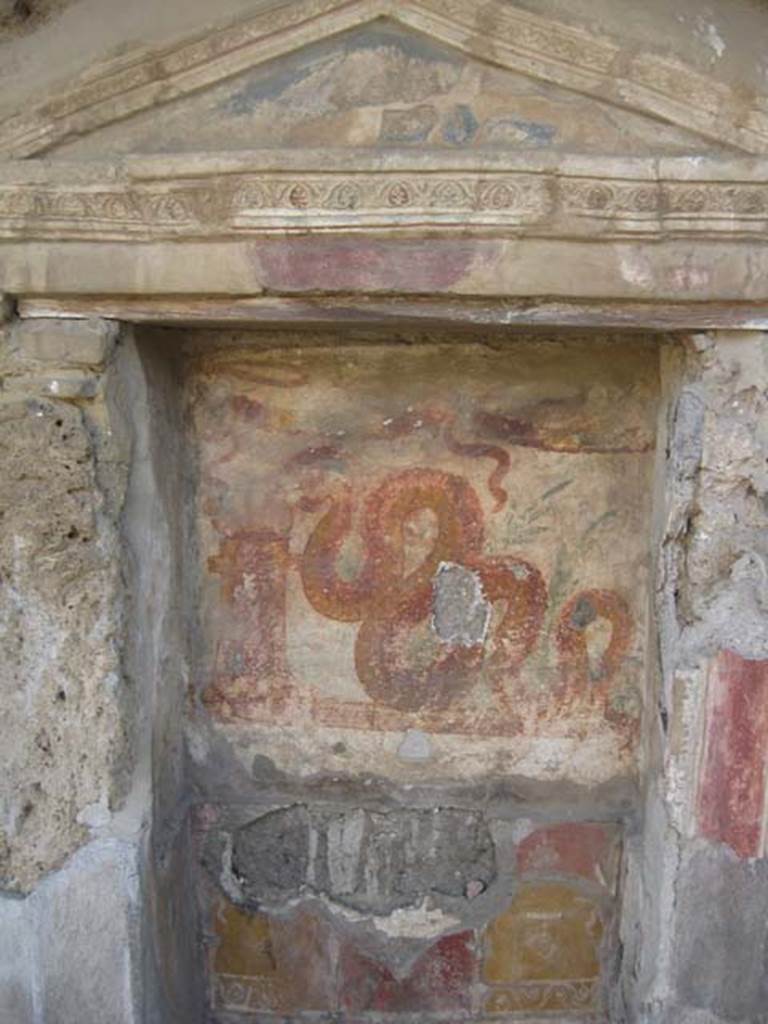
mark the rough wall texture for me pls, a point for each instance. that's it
(60, 631)
(704, 857)
(373, 883)
(92, 683)
(68, 841)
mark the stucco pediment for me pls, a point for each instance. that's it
(383, 116)
(376, 73)
(385, 86)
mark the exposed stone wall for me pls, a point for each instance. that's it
(701, 898)
(61, 490)
(92, 680)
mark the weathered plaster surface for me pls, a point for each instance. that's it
(677, 271)
(19, 17)
(420, 662)
(487, 32)
(407, 911)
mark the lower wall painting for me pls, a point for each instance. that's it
(549, 950)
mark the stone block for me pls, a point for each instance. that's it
(64, 384)
(731, 798)
(587, 850)
(439, 981)
(53, 342)
(543, 952)
(62, 731)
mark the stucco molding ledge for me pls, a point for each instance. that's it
(205, 197)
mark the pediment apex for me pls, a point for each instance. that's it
(496, 33)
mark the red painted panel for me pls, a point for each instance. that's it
(350, 264)
(440, 980)
(584, 849)
(731, 795)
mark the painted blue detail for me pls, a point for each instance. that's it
(460, 125)
(275, 78)
(537, 131)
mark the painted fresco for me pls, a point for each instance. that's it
(408, 546)
(382, 86)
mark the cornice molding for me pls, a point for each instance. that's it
(494, 31)
(207, 198)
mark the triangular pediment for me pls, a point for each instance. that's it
(448, 74)
(383, 85)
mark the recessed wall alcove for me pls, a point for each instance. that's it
(407, 594)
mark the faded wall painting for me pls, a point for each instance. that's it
(383, 86)
(424, 550)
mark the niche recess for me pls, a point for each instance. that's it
(416, 574)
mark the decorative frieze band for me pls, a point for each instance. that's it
(235, 205)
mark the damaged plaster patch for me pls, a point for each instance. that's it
(636, 270)
(270, 856)
(416, 746)
(461, 612)
(710, 35)
(372, 862)
(422, 922)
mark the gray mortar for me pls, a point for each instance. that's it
(373, 862)
(270, 856)
(461, 612)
